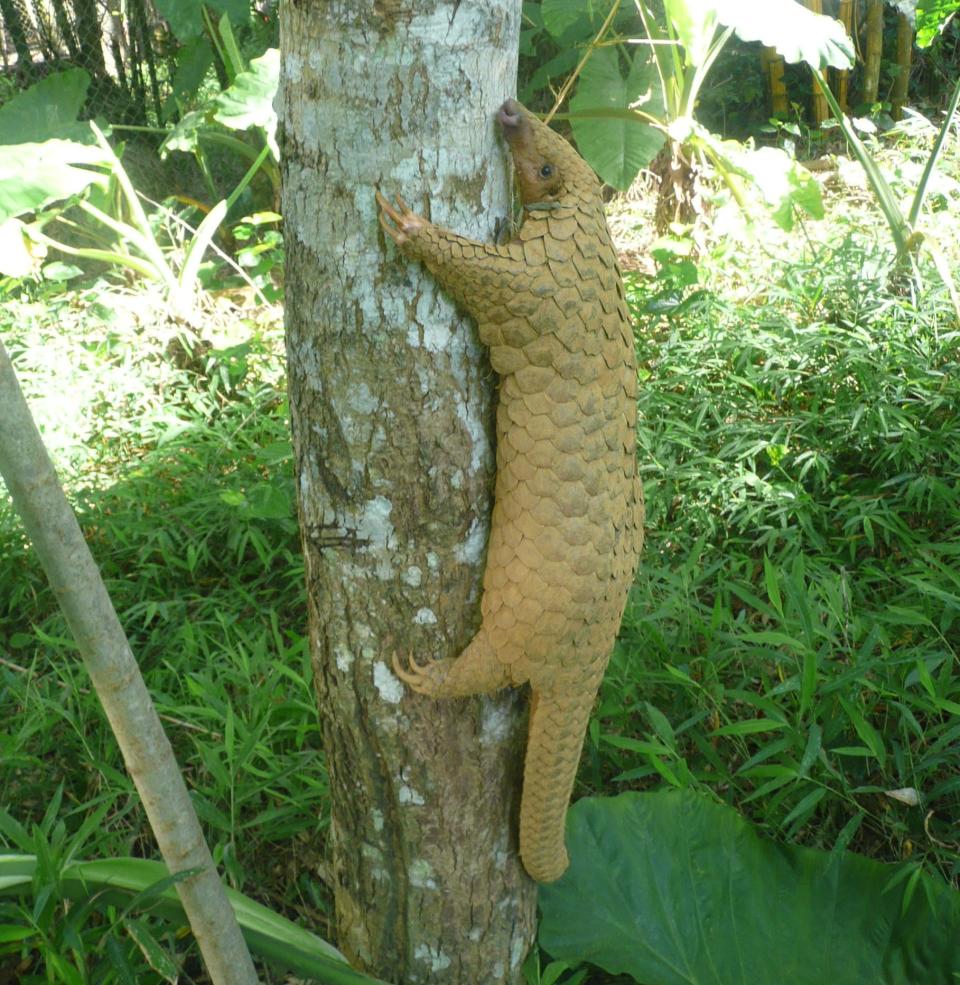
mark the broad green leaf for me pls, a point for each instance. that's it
(797, 33)
(683, 891)
(33, 175)
(614, 142)
(249, 101)
(783, 183)
(558, 15)
(932, 17)
(48, 109)
(695, 22)
(186, 20)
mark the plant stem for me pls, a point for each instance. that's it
(52, 527)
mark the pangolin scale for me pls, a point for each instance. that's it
(567, 525)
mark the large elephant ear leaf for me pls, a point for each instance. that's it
(673, 888)
(610, 136)
(797, 33)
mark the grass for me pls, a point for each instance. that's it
(790, 646)
(183, 482)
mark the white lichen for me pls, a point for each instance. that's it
(407, 795)
(344, 657)
(425, 617)
(432, 956)
(421, 874)
(388, 687)
(470, 549)
(413, 576)
(494, 722)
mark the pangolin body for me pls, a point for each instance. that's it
(567, 525)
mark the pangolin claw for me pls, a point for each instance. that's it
(417, 677)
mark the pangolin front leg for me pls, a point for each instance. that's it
(567, 525)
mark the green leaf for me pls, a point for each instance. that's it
(269, 935)
(33, 175)
(683, 891)
(784, 184)
(48, 109)
(558, 15)
(695, 22)
(186, 19)
(613, 141)
(932, 17)
(797, 33)
(156, 956)
(249, 101)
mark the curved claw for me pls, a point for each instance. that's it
(400, 222)
(419, 676)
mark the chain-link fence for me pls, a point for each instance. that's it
(121, 46)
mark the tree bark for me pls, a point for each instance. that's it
(390, 398)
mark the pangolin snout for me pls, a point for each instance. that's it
(509, 114)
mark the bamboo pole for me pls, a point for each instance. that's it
(874, 51)
(841, 76)
(772, 64)
(901, 83)
(52, 527)
(819, 111)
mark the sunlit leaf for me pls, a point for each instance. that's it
(683, 891)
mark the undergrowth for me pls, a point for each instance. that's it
(791, 642)
(790, 646)
(183, 485)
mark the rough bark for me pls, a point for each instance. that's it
(390, 399)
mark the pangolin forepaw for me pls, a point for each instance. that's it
(422, 678)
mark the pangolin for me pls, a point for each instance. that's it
(567, 524)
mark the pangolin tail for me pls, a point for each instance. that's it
(558, 723)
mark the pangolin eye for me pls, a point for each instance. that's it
(546, 171)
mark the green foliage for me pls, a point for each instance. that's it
(792, 640)
(932, 17)
(186, 17)
(119, 888)
(683, 892)
(617, 148)
(179, 461)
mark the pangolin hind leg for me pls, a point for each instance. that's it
(476, 671)
(558, 723)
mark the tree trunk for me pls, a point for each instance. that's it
(874, 52)
(390, 398)
(901, 84)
